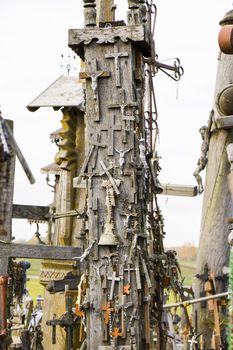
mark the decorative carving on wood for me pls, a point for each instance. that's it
(137, 12)
(89, 13)
(53, 270)
(139, 34)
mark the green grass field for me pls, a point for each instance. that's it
(188, 270)
(33, 283)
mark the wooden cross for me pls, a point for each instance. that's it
(126, 119)
(94, 75)
(114, 279)
(110, 128)
(137, 272)
(116, 56)
(123, 307)
(14, 250)
(114, 183)
(128, 215)
(92, 152)
(13, 144)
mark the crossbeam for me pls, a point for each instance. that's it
(30, 212)
(12, 142)
(179, 190)
(29, 251)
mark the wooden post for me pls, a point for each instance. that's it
(7, 173)
(105, 11)
(217, 203)
(115, 246)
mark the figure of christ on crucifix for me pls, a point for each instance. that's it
(94, 74)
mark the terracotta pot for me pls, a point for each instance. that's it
(225, 39)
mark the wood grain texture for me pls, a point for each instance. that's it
(136, 33)
(30, 212)
(217, 203)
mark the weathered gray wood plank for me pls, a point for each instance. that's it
(16, 250)
(30, 212)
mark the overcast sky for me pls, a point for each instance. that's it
(34, 34)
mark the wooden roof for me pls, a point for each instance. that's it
(52, 168)
(63, 92)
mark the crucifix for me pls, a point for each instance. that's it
(125, 117)
(94, 75)
(122, 158)
(110, 128)
(116, 56)
(128, 214)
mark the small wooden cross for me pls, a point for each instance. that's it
(126, 119)
(114, 279)
(94, 75)
(137, 272)
(110, 127)
(116, 56)
(115, 183)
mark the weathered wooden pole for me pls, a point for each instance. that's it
(105, 11)
(117, 297)
(213, 252)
